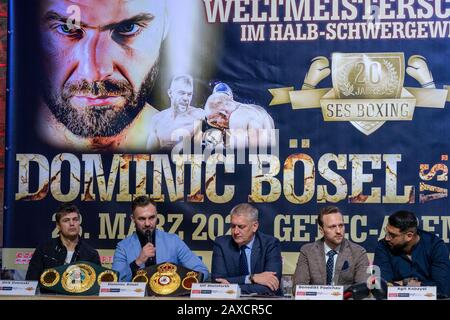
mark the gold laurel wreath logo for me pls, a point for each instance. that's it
(347, 88)
(393, 77)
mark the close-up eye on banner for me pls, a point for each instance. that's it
(290, 105)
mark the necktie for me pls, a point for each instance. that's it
(330, 265)
(243, 264)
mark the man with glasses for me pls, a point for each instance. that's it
(331, 260)
(408, 256)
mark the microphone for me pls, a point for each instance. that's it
(380, 291)
(357, 291)
(348, 295)
(149, 238)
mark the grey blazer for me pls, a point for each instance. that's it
(351, 264)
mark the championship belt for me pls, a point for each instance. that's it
(79, 278)
(168, 279)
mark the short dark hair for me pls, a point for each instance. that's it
(404, 220)
(142, 201)
(64, 209)
(325, 211)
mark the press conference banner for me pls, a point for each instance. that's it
(204, 104)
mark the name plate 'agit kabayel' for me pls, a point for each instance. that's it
(412, 293)
(215, 291)
(319, 292)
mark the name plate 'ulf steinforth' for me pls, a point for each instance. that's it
(304, 292)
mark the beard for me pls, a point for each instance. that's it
(181, 108)
(398, 249)
(99, 121)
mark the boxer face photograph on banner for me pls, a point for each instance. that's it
(100, 69)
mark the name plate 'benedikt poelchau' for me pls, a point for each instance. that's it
(319, 292)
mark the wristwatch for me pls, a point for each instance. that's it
(252, 280)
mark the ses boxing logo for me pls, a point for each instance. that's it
(367, 89)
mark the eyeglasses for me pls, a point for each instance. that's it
(393, 235)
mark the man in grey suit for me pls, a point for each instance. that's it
(331, 260)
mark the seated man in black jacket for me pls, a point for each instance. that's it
(65, 249)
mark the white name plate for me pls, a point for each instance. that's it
(18, 288)
(303, 292)
(411, 293)
(122, 289)
(215, 291)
